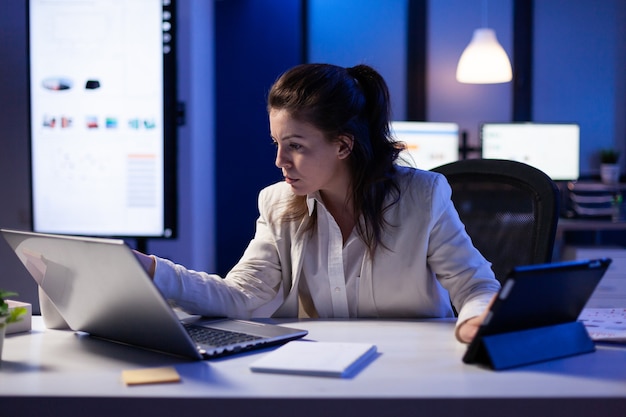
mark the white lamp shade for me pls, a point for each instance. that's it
(484, 61)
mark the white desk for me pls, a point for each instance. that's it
(419, 372)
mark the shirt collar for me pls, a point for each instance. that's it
(312, 199)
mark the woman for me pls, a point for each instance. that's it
(348, 233)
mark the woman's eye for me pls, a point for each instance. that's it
(293, 146)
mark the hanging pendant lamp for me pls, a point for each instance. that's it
(484, 60)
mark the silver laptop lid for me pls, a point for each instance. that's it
(100, 288)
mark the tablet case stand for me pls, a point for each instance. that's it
(511, 349)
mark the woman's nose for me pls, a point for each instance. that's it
(281, 159)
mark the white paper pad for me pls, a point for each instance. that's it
(317, 358)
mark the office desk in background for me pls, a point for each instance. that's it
(587, 225)
(418, 372)
(611, 292)
(595, 226)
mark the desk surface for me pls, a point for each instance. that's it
(419, 370)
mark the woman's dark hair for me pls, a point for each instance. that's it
(353, 102)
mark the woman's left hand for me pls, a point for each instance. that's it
(467, 330)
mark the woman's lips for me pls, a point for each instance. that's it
(289, 180)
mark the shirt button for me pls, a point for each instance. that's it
(337, 289)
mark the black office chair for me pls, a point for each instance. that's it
(510, 210)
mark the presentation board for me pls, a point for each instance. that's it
(103, 117)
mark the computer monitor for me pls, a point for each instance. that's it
(429, 144)
(554, 148)
(103, 117)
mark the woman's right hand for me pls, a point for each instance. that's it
(148, 262)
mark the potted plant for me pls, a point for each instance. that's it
(609, 168)
(8, 315)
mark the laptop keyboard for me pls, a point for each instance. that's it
(217, 337)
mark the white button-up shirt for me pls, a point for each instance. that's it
(331, 269)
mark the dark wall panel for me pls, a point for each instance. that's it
(256, 40)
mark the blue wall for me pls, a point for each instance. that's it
(580, 71)
(372, 32)
(256, 40)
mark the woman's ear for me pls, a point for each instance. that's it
(345, 146)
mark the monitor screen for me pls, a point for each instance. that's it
(429, 144)
(552, 148)
(102, 117)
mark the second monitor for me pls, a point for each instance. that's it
(551, 147)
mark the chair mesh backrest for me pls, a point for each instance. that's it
(510, 210)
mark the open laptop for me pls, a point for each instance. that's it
(99, 287)
(536, 297)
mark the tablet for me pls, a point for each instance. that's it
(538, 296)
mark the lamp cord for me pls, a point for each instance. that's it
(485, 13)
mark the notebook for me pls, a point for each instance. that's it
(538, 296)
(331, 359)
(99, 287)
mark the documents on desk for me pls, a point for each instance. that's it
(605, 324)
(334, 359)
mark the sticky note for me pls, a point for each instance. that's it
(150, 376)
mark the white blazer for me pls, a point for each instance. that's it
(427, 261)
